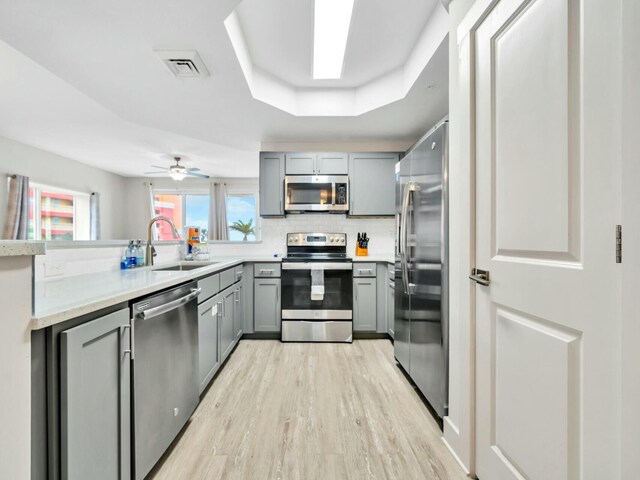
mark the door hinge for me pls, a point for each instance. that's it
(618, 243)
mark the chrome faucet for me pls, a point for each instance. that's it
(151, 251)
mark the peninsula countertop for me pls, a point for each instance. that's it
(58, 300)
(15, 248)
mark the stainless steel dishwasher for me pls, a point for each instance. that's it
(164, 331)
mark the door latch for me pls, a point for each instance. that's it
(480, 276)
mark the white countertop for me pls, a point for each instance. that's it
(58, 300)
(16, 248)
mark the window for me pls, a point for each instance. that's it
(58, 214)
(242, 212)
(184, 209)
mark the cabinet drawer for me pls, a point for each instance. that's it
(227, 278)
(210, 286)
(267, 270)
(364, 269)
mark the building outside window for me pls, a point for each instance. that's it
(58, 214)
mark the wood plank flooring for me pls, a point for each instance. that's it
(305, 411)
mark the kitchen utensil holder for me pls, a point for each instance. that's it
(362, 252)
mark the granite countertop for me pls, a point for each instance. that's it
(16, 248)
(57, 300)
(375, 258)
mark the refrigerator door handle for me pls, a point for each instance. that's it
(404, 240)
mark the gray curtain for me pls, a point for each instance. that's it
(218, 228)
(16, 226)
(94, 212)
(152, 210)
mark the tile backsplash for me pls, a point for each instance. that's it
(274, 231)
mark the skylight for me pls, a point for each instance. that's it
(330, 32)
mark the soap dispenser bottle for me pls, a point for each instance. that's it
(139, 254)
(131, 255)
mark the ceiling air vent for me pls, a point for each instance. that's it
(184, 63)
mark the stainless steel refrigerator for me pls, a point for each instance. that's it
(421, 273)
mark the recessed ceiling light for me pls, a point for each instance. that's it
(332, 20)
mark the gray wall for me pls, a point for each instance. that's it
(51, 169)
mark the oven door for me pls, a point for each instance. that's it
(337, 301)
(320, 193)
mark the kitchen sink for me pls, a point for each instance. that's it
(183, 267)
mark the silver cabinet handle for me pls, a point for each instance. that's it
(220, 307)
(362, 271)
(128, 351)
(267, 271)
(167, 307)
(480, 276)
(237, 295)
(277, 292)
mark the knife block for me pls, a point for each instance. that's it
(362, 252)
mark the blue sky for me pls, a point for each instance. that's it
(197, 211)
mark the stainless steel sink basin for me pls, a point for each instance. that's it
(183, 267)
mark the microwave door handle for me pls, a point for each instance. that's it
(333, 193)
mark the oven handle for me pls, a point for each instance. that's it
(167, 307)
(317, 266)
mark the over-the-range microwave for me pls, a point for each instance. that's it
(316, 193)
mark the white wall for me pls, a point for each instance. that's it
(51, 169)
(459, 425)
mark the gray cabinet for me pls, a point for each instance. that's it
(227, 333)
(267, 314)
(372, 183)
(238, 317)
(247, 300)
(324, 163)
(332, 163)
(271, 184)
(208, 345)
(364, 304)
(95, 412)
(381, 292)
(391, 296)
(300, 163)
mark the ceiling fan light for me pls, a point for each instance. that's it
(177, 175)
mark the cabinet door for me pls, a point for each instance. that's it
(267, 305)
(95, 412)
(227, 335)
(300, 163)
(332, 163)
(391, 308)
(238, 317)
(271, 184)
(364, 304)
(247, 306)
(208, 352)
(372, 183)
(382, 274)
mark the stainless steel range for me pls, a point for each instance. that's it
(317, 289)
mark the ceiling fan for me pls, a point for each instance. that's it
(177, 171)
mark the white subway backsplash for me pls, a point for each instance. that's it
(274, 231)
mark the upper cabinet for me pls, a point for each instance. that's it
(324, 163)
(372, 184)
(271, 184)
(371, 179)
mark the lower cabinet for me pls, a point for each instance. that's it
(208, 348)
(238, 311)
(364, 304)
(227, 332)
(95, 399)
(267, 314)
(391, 310)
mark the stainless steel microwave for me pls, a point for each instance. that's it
(316, 193)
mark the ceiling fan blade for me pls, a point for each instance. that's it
(199, 175)
(156, 173)
(157, 166)
(193, 169)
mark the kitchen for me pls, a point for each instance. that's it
(321, 313)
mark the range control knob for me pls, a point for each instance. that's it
(342, 240)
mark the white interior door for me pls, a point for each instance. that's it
(547, 199)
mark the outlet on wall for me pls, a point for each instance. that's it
(53, 269)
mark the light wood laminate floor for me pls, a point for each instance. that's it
(310, 411)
